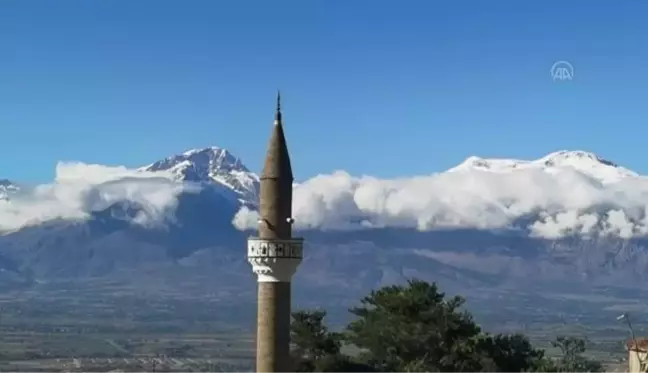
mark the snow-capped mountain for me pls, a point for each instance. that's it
(201, 249)
(211, 165)
(585, 162)
(218, 165)
(478, 193)
(101, 242)
(7, 188)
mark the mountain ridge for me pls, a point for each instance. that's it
(199, 249)
(585, 162)
(211, 164)
(218, 165)
(218, 169)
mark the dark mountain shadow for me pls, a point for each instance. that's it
(456, 240)
(108, 241)
(198, 246)
(201, 219)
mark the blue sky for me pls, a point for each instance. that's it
(385, 88)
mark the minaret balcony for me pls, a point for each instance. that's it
(275, 248)
(275, 260)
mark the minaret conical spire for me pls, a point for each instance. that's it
(277, 162)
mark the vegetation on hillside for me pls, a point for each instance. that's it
(416, 328)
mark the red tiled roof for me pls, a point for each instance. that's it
(640, 345)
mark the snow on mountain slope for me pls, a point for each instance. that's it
(79, 190)
(153, 193)
(7, 188)
(564, 193)
(586, 163)
(211, 164)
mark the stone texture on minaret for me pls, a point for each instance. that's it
(275, 255)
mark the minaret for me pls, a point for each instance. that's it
(275, 255)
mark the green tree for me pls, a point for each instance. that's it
(311, 340)
(315, 349)
(311, 337)
(416, 328)
(341, 363)
(571, 358)
(512, 353)
(413, 327)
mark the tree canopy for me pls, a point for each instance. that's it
(416, 328)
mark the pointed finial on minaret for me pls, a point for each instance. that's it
(277, 163)
(278, 114)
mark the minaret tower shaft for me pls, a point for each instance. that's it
(275, 255)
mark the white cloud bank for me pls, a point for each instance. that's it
(561, 194)
(80, 189)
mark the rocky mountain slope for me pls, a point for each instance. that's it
(211, 166)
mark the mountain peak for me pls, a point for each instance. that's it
(219, 158)
(7, 187)
(575, 155)
(211, 164)
(584, 162)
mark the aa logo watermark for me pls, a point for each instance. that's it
(562, 70)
